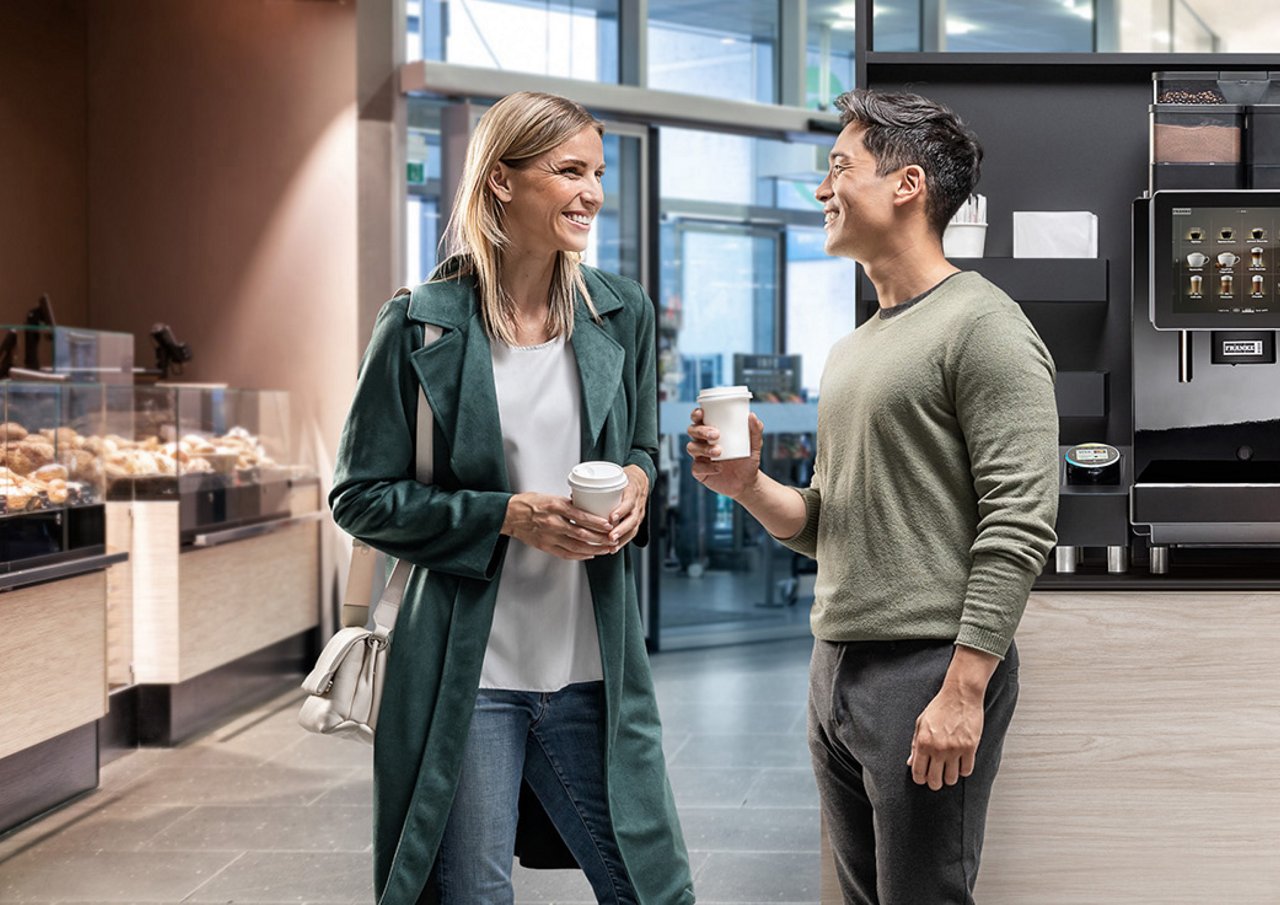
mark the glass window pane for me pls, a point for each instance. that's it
(1071, 26)
(569, 38)
(829, 52)
(820, 305)
(719, 49)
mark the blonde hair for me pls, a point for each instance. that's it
(513, 131)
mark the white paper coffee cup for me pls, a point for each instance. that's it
(728, 410)
(596, 487)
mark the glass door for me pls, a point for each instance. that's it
(723, 579)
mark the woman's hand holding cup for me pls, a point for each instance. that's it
(731, 477)
(554, 525)
(629, 515)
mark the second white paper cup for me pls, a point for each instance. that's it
(728, 410)
(596, 487)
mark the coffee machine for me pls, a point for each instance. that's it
(1206, 385)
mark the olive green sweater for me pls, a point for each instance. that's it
(935, 490)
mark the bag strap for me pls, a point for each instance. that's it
(362, 558)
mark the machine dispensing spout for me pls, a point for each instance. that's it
(1185, 353)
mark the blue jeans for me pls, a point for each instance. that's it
(555, 741)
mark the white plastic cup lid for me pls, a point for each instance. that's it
(711, 394)
(597, 476)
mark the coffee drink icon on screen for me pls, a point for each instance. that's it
(1195, 234)
(1195, 259)
(1226, 234)
(1227, 259)
(1257, 234)
(1257, 284)
(1224, 284)
(1197, 283)
(1255, 257)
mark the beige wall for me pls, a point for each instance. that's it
(43, 199)
(221, 182)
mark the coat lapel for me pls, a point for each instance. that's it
(600, 360)
(456, 373)
(600, 370)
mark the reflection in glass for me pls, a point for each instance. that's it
(1073, 26)
(570, 38)
(829, 52)
(719, 49)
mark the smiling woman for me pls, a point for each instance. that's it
(520, 655)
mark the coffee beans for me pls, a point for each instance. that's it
(1180, 96)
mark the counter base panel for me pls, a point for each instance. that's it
(53, 659)
(44, 776)
(169, 714)
(1132, 770)
(118, 729)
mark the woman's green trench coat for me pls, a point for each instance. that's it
(451, 530)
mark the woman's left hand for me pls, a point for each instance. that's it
(629, 515)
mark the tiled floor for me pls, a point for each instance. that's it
(260, 812)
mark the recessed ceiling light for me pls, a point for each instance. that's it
(844, 25)
(960, 27)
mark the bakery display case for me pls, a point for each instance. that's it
(52, 475)
(221, 590)
(222, 453)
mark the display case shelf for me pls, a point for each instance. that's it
(1029, 280)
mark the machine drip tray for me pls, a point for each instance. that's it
(1209, 502)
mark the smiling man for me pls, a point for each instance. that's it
(930, 514)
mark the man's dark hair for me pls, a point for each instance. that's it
(904, 129)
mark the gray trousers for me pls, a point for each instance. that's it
(897, 843)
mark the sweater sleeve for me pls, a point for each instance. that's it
(1003, 383)
(376, 497)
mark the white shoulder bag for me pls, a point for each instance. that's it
(345, 688)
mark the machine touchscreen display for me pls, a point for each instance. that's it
(1216, 260)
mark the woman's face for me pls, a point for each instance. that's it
(550, 202)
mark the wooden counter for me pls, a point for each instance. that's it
(1141, 766)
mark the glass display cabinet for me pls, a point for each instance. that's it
(52, 476)
(222, 453)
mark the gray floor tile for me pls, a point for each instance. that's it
(266, 784)
(783, 788)
(713, 786)
(739, 878)
(742, 750)
(708, 716)
(539, 887)
(268, 877)
(40, 876)
(259, 828)
(761, 830)
(354, 791)
(234, 810)
(119, 824)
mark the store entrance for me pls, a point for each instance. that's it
(721, 577)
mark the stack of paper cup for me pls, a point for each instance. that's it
(728, 410)
(596, 487)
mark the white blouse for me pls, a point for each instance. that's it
(544, 625)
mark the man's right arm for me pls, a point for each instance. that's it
(782, 510)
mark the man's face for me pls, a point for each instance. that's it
(858, 204)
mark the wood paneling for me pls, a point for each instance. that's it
(44, 202)
(1140, 767)
(120, 598)
(242, 596)
(1141, 762)
(53, 659)
(198, 609)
